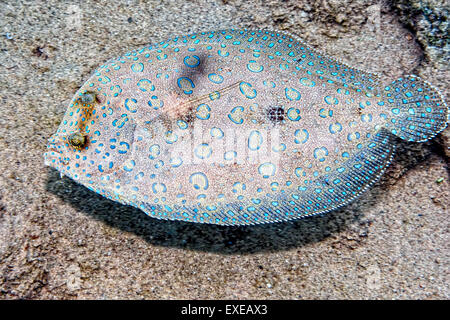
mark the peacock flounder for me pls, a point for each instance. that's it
(237, 127)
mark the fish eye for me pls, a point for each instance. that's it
(77, 140)
(88, 97)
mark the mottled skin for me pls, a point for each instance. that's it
(237, 127)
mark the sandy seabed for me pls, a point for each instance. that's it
(58, 240)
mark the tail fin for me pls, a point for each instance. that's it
(416, 110)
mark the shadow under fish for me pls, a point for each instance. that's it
(237, 239)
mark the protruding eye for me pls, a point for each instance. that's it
(77, 140)
(88, 97)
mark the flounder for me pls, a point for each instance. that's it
(237, 127)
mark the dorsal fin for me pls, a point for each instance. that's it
(333, 70)
(329, 68)
(308, 58)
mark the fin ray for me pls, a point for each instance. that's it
(416, 110)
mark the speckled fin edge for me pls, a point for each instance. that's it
(340, 71)
(302, 52)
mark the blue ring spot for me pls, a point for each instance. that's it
(191, 65)
(189, 82)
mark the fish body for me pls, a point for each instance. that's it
(237, 127)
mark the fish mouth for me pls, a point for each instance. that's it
(53, 157)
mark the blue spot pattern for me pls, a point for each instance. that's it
(337, 122)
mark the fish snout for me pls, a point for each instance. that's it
(54, 156)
